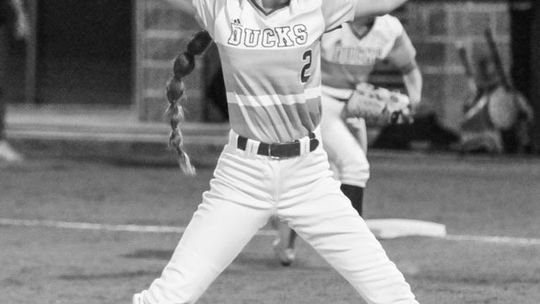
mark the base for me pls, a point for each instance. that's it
(394, 228)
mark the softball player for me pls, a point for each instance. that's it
(274, 163)
(348, 56)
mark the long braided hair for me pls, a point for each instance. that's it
(184, 64)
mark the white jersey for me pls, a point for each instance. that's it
(271, 62)
(271, 65)
(348, 59)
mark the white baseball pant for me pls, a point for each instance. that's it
(346, 150)
(246, 190)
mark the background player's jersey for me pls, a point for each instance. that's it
(271, 62)
(348, 59)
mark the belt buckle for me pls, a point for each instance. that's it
(270, 153)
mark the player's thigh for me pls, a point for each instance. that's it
(326, 219)
(220, 228)
(358, 128)
(229, 215)
(340, 143)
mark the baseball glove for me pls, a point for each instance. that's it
(378, 105)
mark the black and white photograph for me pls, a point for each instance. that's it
(269, 151)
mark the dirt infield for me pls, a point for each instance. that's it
(476, 198)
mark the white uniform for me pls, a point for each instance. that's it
(346, 61)
(272, 76)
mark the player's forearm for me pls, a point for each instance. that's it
(17, 6)
(21, 26)
(183, 5)
(18, 9)
(366, 8)
(413, 83)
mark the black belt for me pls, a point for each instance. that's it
(280, 150)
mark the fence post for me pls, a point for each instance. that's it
(535, 74)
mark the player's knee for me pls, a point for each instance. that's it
(354, 173)
(354, 166)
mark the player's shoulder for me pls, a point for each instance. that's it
(390, 25)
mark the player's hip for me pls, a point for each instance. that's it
(243, 163)
(301, 150)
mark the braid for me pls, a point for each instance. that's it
(184, 64)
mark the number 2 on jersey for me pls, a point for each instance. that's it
(304, 76)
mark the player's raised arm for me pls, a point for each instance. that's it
(376, 7)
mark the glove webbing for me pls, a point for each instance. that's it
(184, 64)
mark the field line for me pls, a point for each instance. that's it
(103, 227)
(495, 239)
(177, 229)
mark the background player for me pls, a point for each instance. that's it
(274, 163)
(12, 17)
(349, 55)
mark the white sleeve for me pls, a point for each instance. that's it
(392, 29)
(337, 12)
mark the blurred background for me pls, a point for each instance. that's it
(97, 69)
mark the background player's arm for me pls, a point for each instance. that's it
(413, 83)
(21, 27)
(365, 8)
(403, 56)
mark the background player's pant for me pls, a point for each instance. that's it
(344, 150)
(3, 67)
(245, 191)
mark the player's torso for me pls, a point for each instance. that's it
(271, 68)
(348, 59)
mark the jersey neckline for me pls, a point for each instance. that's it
(270, 12)
(367, 32)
